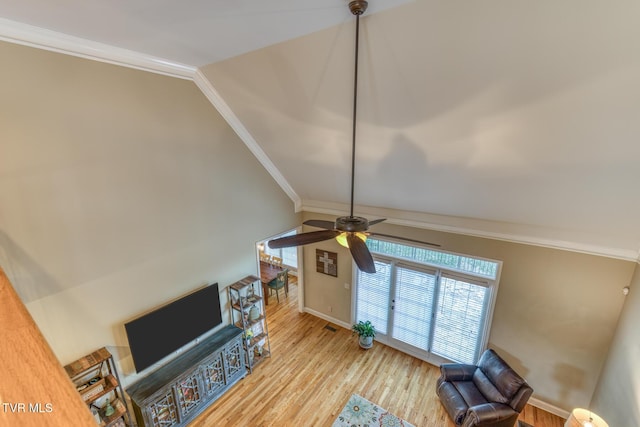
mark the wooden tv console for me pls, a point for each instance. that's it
(176, 393)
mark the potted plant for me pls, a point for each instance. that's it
(366, 331)
(248, 335)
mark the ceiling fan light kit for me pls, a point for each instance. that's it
(342, 238)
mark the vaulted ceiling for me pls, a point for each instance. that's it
(503, 119)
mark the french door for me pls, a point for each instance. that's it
(426, 309)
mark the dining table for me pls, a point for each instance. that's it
(269, 272)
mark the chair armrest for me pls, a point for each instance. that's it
(489, 413)
(452, 401)
(457, 372)
(521, 397)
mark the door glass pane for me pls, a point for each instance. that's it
(459, 317)
(372, 301)
(413, 306)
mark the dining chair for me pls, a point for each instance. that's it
(265, 257)
(277, 261)
(280, 282)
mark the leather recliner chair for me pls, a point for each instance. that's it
(489, 394)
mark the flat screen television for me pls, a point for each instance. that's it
(159, 333)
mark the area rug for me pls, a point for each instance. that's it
(359, 412)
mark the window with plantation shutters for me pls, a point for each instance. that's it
(428, 302)
(459, 318)
(374, 291)
(289, 255)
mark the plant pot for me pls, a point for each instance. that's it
(366, 342)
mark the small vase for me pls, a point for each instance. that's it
(108, 409)
(254, 313)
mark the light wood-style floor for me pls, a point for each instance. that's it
(313, 371)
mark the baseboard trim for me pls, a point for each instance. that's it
(549, 407)
(327, 318)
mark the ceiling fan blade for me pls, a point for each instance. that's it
(404, 238)
(361, 254)
(302, 239)
(377, 221)
(320, 224)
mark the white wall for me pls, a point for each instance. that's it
(121, 190)
(617, 396)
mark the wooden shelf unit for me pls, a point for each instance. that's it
(245, 295)
(96, 379)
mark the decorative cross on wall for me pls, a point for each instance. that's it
(327, 262)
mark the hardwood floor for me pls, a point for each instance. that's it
(314, 370)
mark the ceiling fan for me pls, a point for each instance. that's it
(350, 231)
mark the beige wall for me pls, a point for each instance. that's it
(617, 396)
(555, 314)
(323, 293)
(120, 190)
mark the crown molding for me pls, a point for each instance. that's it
(227, 113)
(28, 35)
(473, 227)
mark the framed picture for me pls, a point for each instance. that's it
(327, 262)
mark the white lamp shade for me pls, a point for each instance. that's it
(582, 417)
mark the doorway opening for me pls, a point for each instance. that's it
(274, 261)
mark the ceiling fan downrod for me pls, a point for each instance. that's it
(350, 228)
(357, 8)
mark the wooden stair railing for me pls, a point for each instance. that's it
(34, 388)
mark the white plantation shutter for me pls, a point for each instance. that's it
(372, 299)
(459, 318)
(413, 305)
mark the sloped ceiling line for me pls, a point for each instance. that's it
(225, 111)
(27, 35)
